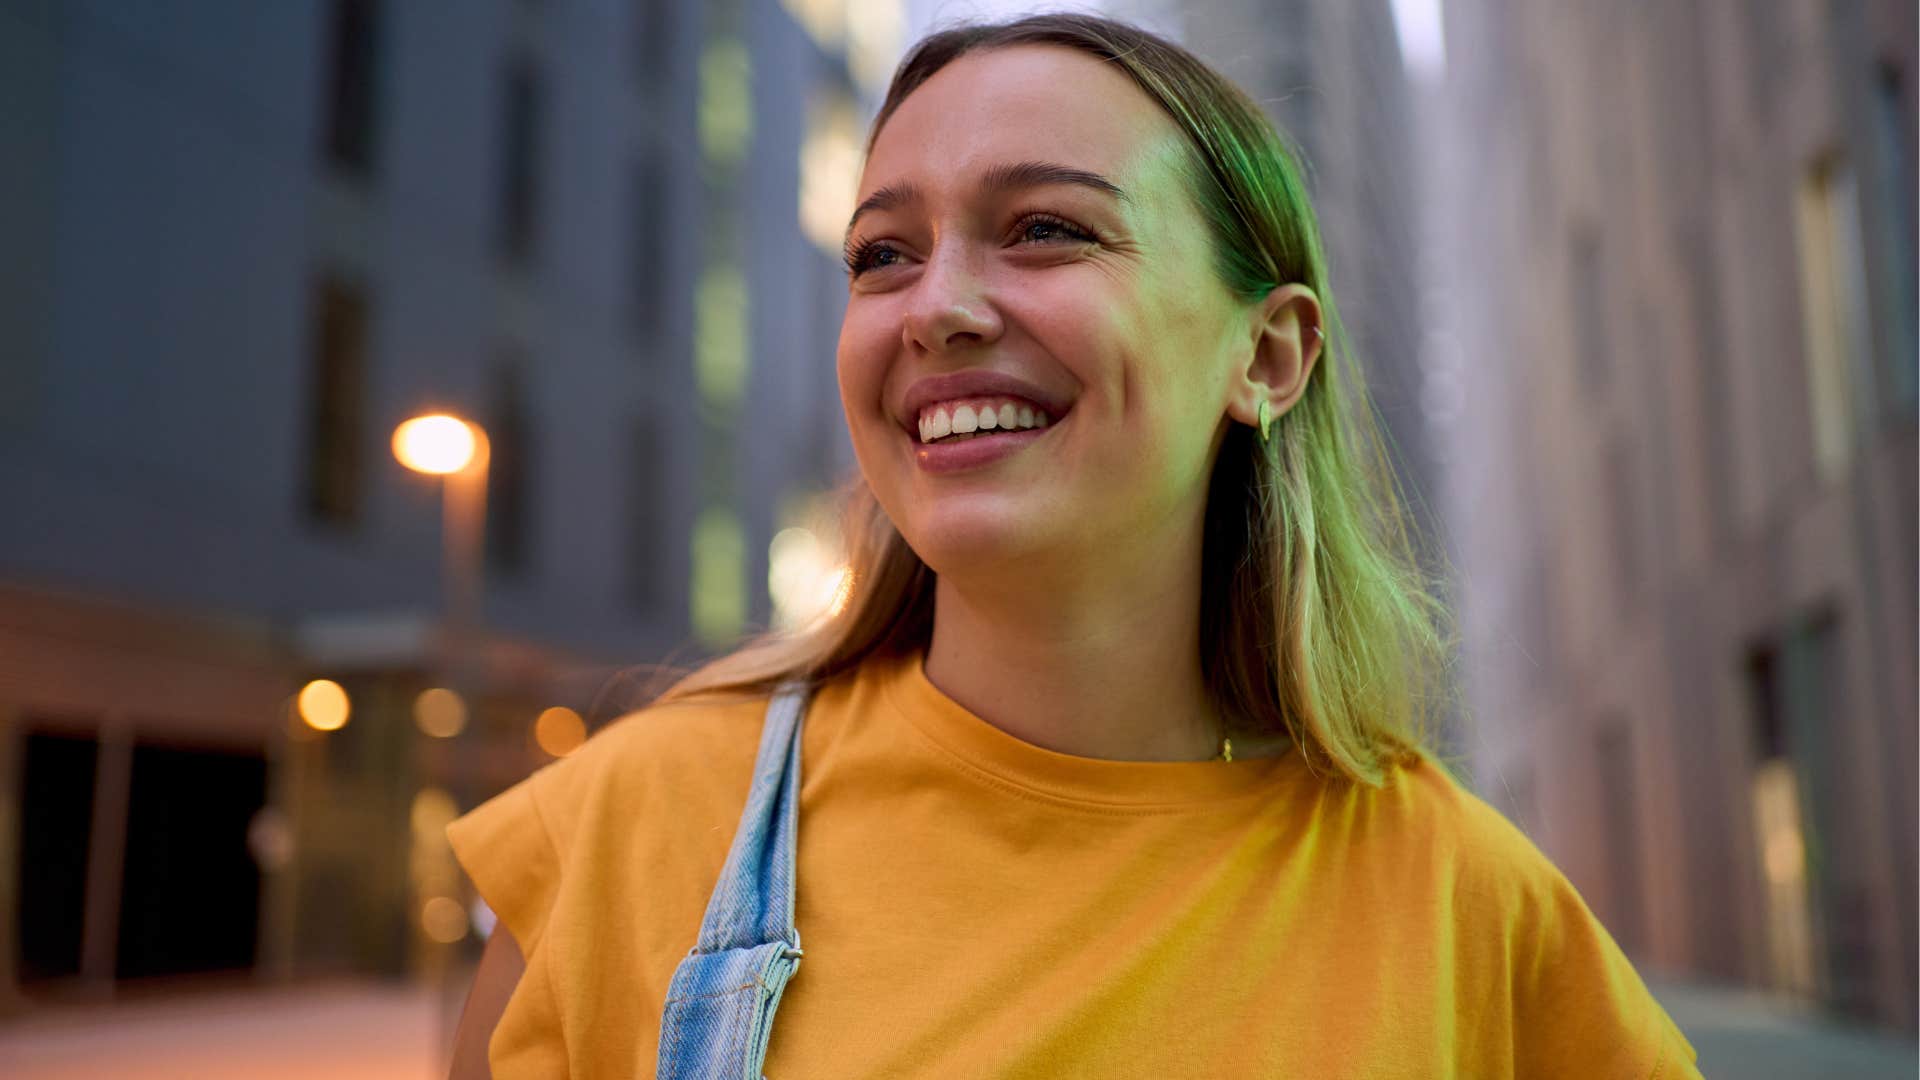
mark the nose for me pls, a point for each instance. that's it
(949, 308)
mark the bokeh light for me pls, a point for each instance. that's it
(270, 838)
(830, 158)
(437, 444)
(440, 712)
(433, 809)
(559, 731)
(805, 579)
(443, 919)
(323, 705)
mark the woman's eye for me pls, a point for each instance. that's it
(865, 255)
(869, 254)
(1059, 227)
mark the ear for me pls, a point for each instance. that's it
(1283, 328)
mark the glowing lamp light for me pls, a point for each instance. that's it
(440, 712)
(443, 919)
(437, 445)
(805, 579)
(432, 809)
(323, 705)
(559, 731)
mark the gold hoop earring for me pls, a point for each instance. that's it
(1266, 420)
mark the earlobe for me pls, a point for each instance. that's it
(1287, 343)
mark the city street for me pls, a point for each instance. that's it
(378, 1032)
(368, 1031)
(1745, 1036)
(394, 396)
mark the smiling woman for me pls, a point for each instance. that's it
(1114, 759)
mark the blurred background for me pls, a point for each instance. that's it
(1634, 283)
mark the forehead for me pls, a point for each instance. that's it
(1020, 103)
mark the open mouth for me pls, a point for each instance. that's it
(960, 421)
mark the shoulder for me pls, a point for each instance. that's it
(700, 726)
(688, 763)
(687, 752)
(1567, 984)
(1422, 810)
(1447, 850)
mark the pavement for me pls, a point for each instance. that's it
(363, 1030)
(386, 1031)
(1742, 1035)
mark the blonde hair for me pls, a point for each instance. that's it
(1317, 618)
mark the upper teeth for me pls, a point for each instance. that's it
(962, 417)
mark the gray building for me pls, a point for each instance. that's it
(1681, 239)
(245, 241)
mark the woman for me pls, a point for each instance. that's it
(1114, 759)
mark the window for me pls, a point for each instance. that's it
(184, 809)
(653, 41)
(336, 402)
(1622, 494)
(1776, 798)
(508, 471)
(1588, 281)
(1893, 136)
(719, 600)
(725, 116)
(720, 357)
(56, 784)
(647, 517)
(521, 113)
(1833, 292)
(649, 268)
(1819, 937)
(830, 160)
(352, 73)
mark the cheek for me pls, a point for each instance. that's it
(1167, 405)
(860, 362)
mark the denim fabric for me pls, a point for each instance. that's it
(719, 1010)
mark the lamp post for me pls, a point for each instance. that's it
(457, 451)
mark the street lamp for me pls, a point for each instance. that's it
(457, 451)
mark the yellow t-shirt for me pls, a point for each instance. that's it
(975, 906)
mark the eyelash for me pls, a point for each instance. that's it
(859, 255)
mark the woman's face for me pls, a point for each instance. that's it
(982, 280)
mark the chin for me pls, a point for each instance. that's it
(971, 536)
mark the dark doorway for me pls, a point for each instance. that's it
(190, 901)
(56, 819)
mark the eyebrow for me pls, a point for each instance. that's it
(1004, 177)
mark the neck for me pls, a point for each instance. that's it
(1081, 666)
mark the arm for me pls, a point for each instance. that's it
(500, 968)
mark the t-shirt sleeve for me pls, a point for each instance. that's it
(509, 854)
(509, 849)
(1582, 1009)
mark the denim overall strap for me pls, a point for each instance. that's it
(719, 1010)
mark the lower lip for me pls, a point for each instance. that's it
(977, 452)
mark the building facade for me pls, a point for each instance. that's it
(1683, 469)
(244, 243)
